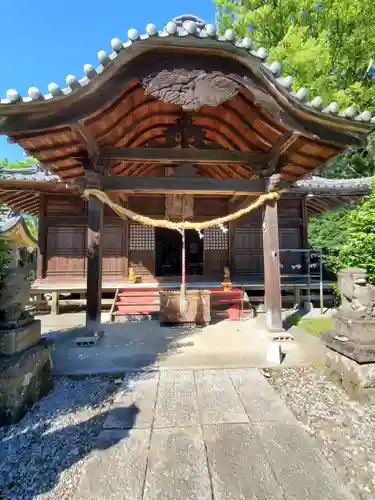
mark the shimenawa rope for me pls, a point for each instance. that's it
(125, 213)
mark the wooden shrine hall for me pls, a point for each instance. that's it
(182, 124)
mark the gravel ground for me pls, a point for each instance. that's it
(344, 429)
(42, 455)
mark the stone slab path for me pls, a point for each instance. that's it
(205, 435)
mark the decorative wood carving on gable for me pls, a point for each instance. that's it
(184, 134)
(190, 89)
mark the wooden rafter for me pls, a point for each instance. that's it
(9, 197)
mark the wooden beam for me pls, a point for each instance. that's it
(94, 265)
(198, 184)
(271, 255)
(183, 155)
(35, 186)
(87, 140)
(279, 147)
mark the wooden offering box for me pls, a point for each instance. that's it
(196, 309)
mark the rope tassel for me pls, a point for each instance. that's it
(125, 213)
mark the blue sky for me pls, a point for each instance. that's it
(43, 41)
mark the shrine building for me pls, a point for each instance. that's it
(181, 124)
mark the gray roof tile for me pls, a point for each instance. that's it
(182, 26)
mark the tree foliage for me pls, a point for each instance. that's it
(326, 46)
(358, 248)
(329, 230)
(25, 163)
(347, 236)
(5, 252)
(354, 163)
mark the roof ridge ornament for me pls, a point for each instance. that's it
(181, 20)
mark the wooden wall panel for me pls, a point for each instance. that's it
(247, 251)
(214, 263)
(66, 246)
(290, 235)
(291, 262)
(210, 207)
(66, 252)
(147, 205)
(114, 265)
(65, 206)
(246, 242)
(143, 263)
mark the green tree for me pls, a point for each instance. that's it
(326, 45)
(32, 224)
(26, 162)
(358, 250)
(5, 252)
(329, 230)
(353, 163)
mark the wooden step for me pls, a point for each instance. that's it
(137, 300)
(137, 291)
(138, 294)
(138, 309)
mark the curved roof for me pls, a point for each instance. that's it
(32, 173)
(116, 104)
(181, 28)
(16, 230)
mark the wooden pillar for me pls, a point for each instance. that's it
(42, 239)
(305, 222)
(55, 303)
(272, 284)
(94, 265)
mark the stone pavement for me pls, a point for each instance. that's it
(204, 435)
(145, 344)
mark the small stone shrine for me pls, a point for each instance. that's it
(351, 356)
(25, 362)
